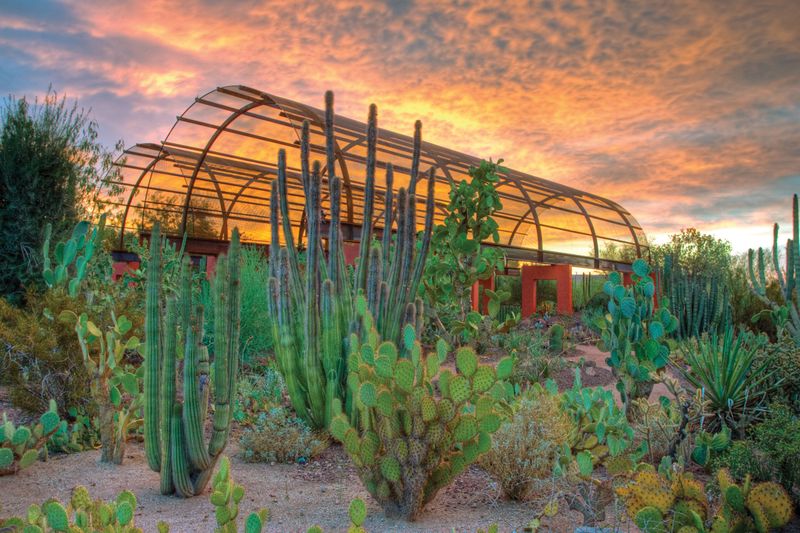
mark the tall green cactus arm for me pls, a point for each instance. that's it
(787, 312)
(369, 199)
(175, 428)
(153, 352)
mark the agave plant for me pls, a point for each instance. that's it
(733, 381)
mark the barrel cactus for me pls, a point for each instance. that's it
(21, 446)
(174, 428)
(415, 436)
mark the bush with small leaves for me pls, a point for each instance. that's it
(525, 447)
(279, 437)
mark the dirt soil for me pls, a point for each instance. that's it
(297, 496)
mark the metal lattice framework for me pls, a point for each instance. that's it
(214, 169)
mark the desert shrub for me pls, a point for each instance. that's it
(784, 357)
(526, 447)
(533, 361)
(656, 425)
(279, 437)
(742, 459)
(778, 437)
(40, 357)
(256, 393)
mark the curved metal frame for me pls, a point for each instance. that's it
(243, 173)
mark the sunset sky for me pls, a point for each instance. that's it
(686, 113)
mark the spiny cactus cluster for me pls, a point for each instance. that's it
(700, 302)
(757, 507)
(20, 446)
(660, 505)
(80, 515)
(225, 497)
(313, 309)
(633, 332)
(707, 445)
(175, 428)
(413, 441)
(601, 434)
(786, 312)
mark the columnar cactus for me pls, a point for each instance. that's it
(412, 439)
(174, 427)
(787, 311)
(314, 308)
(633, 332)
(21, 446)
(700, 302)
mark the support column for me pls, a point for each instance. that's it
(528, 291)
(563, 275)
(211, 266)
(483, 305)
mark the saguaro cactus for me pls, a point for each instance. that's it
(174, 426)
(313, 309)
(787, 313)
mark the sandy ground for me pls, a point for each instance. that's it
(297, 496)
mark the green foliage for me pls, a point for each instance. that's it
(414, 436)
(278, 437)
(783, 359)
(742, 459)
(41, 357)
(83, 433)
(257, 393)
(226, 496)
(695, 253)
(314, 309)
(556, 337)
(533, 361)
(757, 507)
(256, 330)
(526, 447)
(730, 377)
(174, 428)
(778, 439)
(700, 301)
(458, 257)
(21, 446)
(708, 445)
(48, 150)
(634, 333)
(785, 310)
(601, 433)
(80, 514)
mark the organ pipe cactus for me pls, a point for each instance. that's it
(414, 436)
(174, 425)
(699, 302)
(785, 312)
(313, 309)
(21, 446)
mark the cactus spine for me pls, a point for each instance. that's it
(174, 428)
(314, 309)
(786, 312)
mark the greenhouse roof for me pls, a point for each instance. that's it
(214, 169)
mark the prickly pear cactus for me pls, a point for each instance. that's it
(634, 333)
(81, 514)
(757, 507)
(657, 504)
(21, 446)
(225, 496)
(415, 439)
